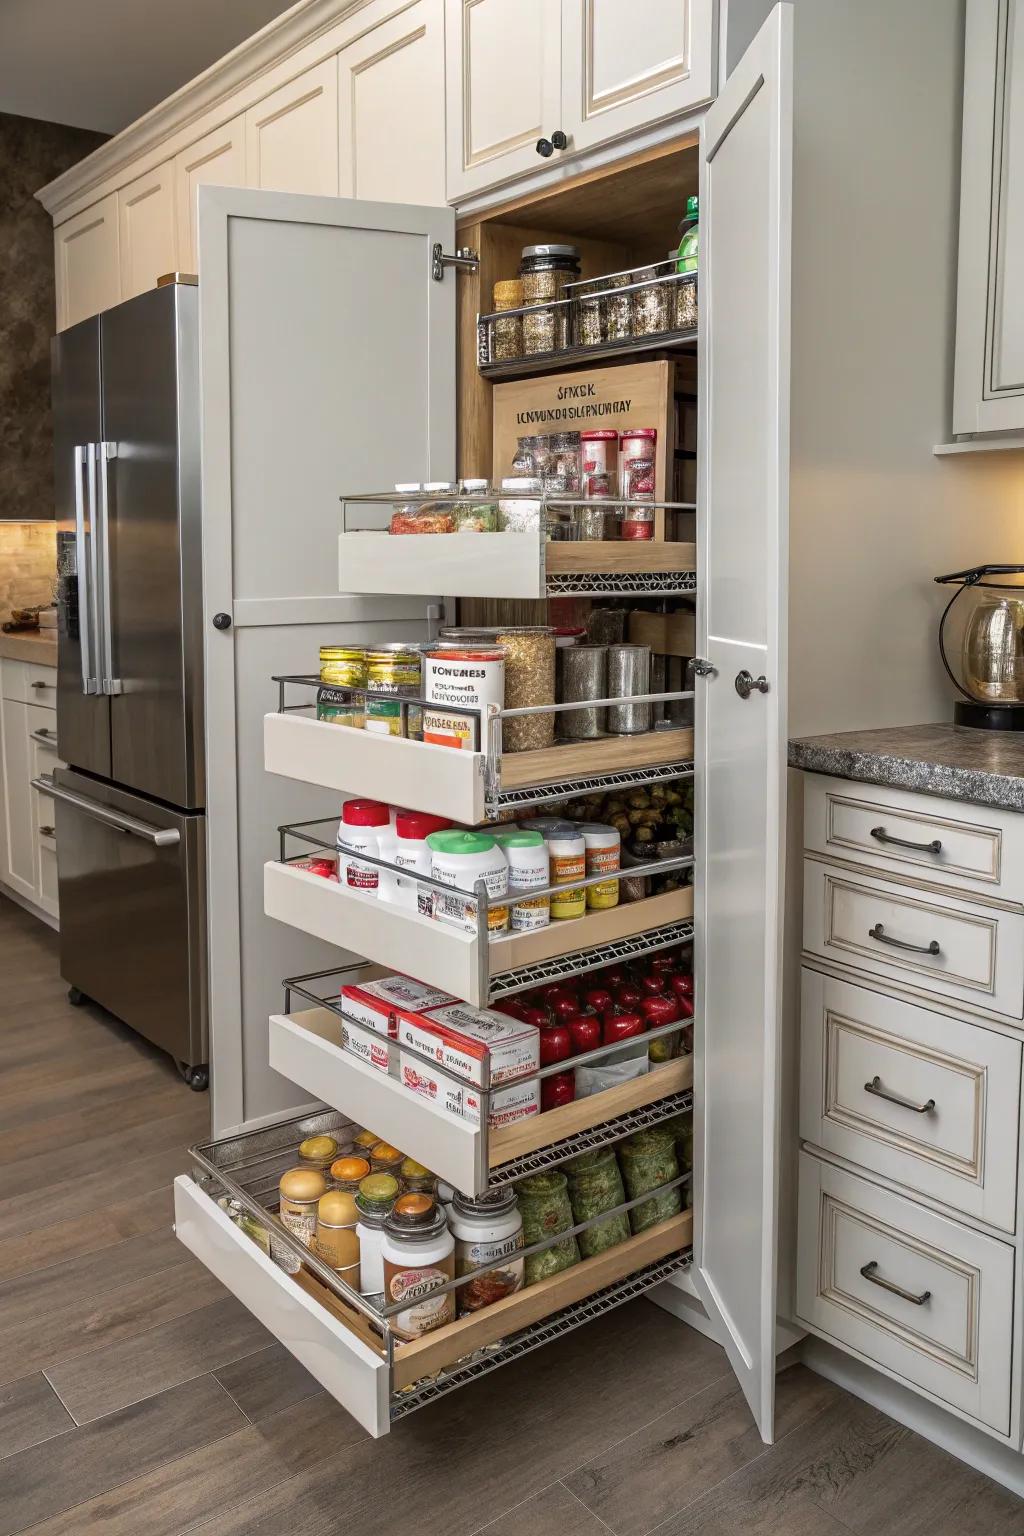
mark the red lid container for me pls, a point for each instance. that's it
(602, 434)
(365, 813)
(651, 432)
(416, 825)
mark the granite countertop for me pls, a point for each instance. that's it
(984, 767)
(38, 646)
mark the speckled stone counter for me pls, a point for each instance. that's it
(984, 767)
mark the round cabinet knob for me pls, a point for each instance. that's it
(545, 148)
(559, 140)
(222, 621)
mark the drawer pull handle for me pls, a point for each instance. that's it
(875, 1087)
(47, 831)
(880, 936)
(869, 1273)
(883, 836)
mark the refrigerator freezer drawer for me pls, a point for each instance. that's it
(132, 885)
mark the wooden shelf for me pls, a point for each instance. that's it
(570, 556)
(513, 950)
(585, 759)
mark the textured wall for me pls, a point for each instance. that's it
(28, 562)
(31, 154)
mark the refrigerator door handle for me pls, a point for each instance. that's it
(159, 837)
(111, 684)
(84, 540)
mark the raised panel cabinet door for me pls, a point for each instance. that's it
(86, 263)
(503, 89)
(21, 862)
(217, 159)
(146, 233)
(740, 753)
(626, 67)
(391, 109)
(291, 137)
(988, 391)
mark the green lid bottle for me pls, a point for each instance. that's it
(687, 254)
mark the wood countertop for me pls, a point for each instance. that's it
(37, 646)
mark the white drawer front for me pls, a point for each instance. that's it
(927, 1101)
(979, 849)
(977, 952)
(28, 683)
(950, 1333)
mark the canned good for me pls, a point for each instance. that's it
(394, 668)
(343, 666)
(469, 675)
(340, 707)
(383, 717)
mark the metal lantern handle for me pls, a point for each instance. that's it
(972, 577)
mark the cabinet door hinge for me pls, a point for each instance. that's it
(464, 260)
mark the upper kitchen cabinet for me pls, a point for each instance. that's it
(391, 109)
(87, 269)
(530, 84)
(217, 159)
(503, 88)
(988, 393)
(291, 136)
(146, 229)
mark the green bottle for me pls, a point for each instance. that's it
(687, 254)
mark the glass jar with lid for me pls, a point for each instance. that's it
(418, 1255)
(529, 679)
(487, 1231)
(544, 271)
(507, 330)
(650, 303)
(374, 1201)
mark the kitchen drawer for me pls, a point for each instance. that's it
(28, 683)
(858, 1046)
(950, 1334)
(979, 849)
(885, 930)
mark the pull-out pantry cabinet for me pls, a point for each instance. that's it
(338, 372)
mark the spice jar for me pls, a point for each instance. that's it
(377, 1194)
(482, 516)
(487, 1231)
(528, 869)
(337, 1241)
(617, 307)
(520, 513)
(299, 1190)
(364, 1141)
(629, 675)
(418, 1254)
(545, 269)
(638, 479)
(684, 298)
(564, 463)
(545, 1209)
(348, 1173)
(590, 330)
(568, 854)
(416, 1179)
(318, 1153)
(648, 1160)
(650, 303)
(603, 846)
(460, 859)
(595, 1186)
(384, 1158)
(507, 331)
(583, 675)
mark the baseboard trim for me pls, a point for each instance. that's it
(30, 907)
(997, 1460)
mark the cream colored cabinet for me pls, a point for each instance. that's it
(521, 72)
(291, 136)
(87, 270)
(391, 109)
(623, 69)
(503, 86)
(217, 159)
(28, 748)
(146, 230)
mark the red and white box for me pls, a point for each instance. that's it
(368, 1045)
(422, 1079)
(461, 1039)
(516, 1101)
(379, 1004)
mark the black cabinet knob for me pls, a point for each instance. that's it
(559, 140)
(222, 621)
(545, 148)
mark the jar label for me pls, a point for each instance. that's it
(534, 913)
(301, 1224)
(422, 1311)
(361, 877)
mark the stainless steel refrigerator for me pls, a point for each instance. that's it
(131, 838)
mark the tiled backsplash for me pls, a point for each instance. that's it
(28, 564)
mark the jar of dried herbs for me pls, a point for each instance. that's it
(545, 270)
(684, 299)
(648, 1160)
(617, 307)
(595, 1186)
(529, 679)
(650, 303)
(546, 1211)
(507, 330)
(590, 317)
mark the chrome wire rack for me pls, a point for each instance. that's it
(621, 583)
(598, 783)
(544, 1332)
(583, 960)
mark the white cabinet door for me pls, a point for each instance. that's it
(291, 136)
(989, 385)
(745, 187)
(87, 272)
(43, 759)
(503, 88)
(623, 69)
(145, 214)
(217, 159)
(391, 109)
(21, 863)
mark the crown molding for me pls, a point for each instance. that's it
(273, 44)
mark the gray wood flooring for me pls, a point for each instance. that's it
(138, 1399)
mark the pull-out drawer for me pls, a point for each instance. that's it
(925, 1100)
(971, 848)
(943, 948)
(927, 1300)
(26, 682)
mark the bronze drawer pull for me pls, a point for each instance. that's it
(868, 1271)
(880, 936)
(875, 1087)
(901, 842)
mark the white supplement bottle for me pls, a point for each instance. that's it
(487, 1231)
(362, 824)
(374, 1201)
(460, 859)
(405, 845)
(528, 866)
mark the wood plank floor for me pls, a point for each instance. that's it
(138, 1399)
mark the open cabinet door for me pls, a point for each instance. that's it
(327, 356)
(745, 189)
